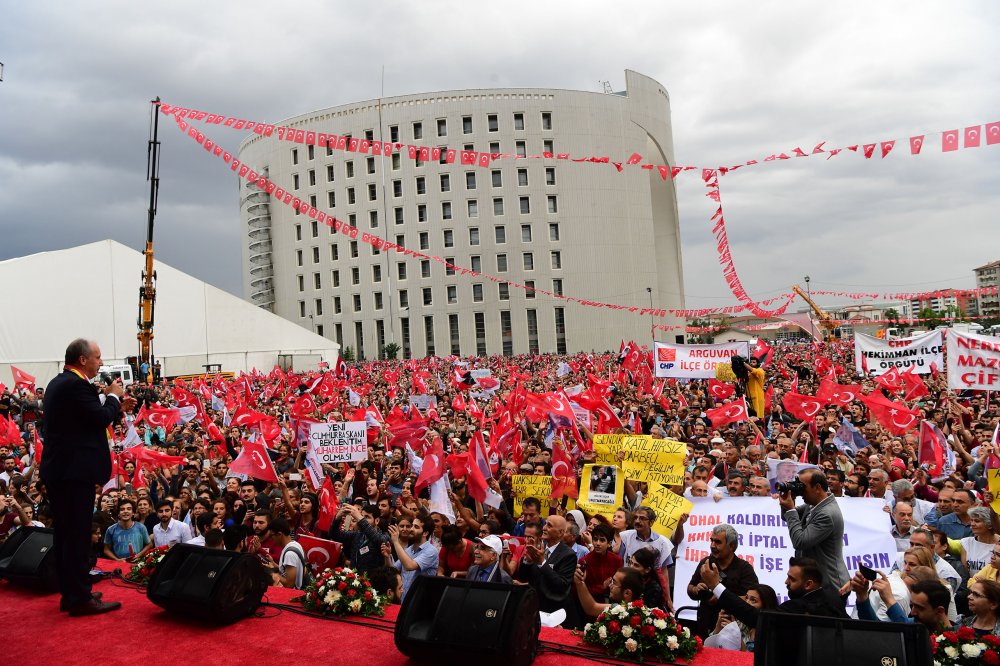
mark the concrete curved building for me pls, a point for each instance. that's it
(580, 229)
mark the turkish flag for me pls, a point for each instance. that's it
(183, 397)
(246, 417)
(563, 472)
(161, 417)
(720, 390)
(632, 356)
(915, 387)
(894, 416)
(408, 432)
(831, 393)
(320, 553)
(538, 405)
(992, 133)
(886, 147)
(949, 141)
(458, 404)
(22, 379)
(802, 407)
(932, 448)
(254, 461)
(731, 412)
(916, 143)
(458, 463)
(303, 407)
(889, 380)
(433, 467)
(327, 509)
(972, 137)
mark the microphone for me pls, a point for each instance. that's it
(106, 379)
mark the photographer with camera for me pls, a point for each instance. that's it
(816, 528)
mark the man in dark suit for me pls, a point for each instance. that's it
(548, 566)
(486, 556)
(76, 458)
(806, 593)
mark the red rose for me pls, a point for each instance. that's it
(635, 621)
(991, 658)
(350, 576)
(680, 630)
(341, 586)
(649, 630)
(697, 642)
(658, 614)
(337, 570)
(966, 633)
(352, 593)
(368, 596)
(614, 627)
(950, 636)
(638, 604)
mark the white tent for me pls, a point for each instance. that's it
(92, 291)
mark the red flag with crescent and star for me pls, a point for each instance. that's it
(254, 461)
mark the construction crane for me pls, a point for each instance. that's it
(147, 291)
(826, 322)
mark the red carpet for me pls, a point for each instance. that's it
(36, 633)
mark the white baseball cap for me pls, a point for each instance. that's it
(493, 542)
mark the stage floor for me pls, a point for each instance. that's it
(37, 633)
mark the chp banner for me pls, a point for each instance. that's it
(694, 361)
(973, 361)
(764, 542)
(601, 490)
(338, 442)
(876, 357)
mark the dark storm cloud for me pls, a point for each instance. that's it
(745, 80)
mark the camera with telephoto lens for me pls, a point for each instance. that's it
(794, 488)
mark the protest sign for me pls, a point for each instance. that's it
(583, 416)
(601, 490)
(479, 373)
(783, 471)
(881, 356)
(764, 542)
(524, 486)
(694, 361)
(607, 447)
(423, 402)
(314, 468)
(993, 478)
(669, 507)
(654, 460)
(973, 361)
(339, 441)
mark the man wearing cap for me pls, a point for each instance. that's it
(486, 555)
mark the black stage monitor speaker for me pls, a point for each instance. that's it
(784, 639)
(448, 620)
(209, 584)
(26, 558)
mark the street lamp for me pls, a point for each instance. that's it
(652, 326)
(812, 331)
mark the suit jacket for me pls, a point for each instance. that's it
(553, 579)
(75, 433)
(818, 532)
(498, 576)
(818, 602)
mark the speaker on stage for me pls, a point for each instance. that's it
(214, 585)
(451, 619)
(26, 558)
(784, 639)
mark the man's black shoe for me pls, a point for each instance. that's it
(63, 607)
(94, 607)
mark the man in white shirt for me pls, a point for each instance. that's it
(292, 562)
(169, 531)
(643, 536)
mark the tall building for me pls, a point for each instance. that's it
(580, 229)
(988, 276)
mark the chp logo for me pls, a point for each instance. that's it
(666, 357)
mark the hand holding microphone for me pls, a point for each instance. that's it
(112, 386)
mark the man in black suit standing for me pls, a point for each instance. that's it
(549, 566)
(76, 458)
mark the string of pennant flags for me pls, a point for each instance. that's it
(950, 142)
(789, 324)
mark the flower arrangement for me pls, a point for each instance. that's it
(143, 569)
(342, 591)
(632, 631)
(963, 648)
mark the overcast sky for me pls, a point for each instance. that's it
(746, 79)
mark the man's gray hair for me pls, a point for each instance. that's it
(573, 528)
(881, 473)
(732, 536)
(76, 349)
(903, 503)
(901, 486)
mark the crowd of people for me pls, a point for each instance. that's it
(394, 529)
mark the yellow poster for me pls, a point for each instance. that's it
(607, 447)
(654, 460)
(601, 490)
(524, 486)
(669, 508)
(993, 477)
